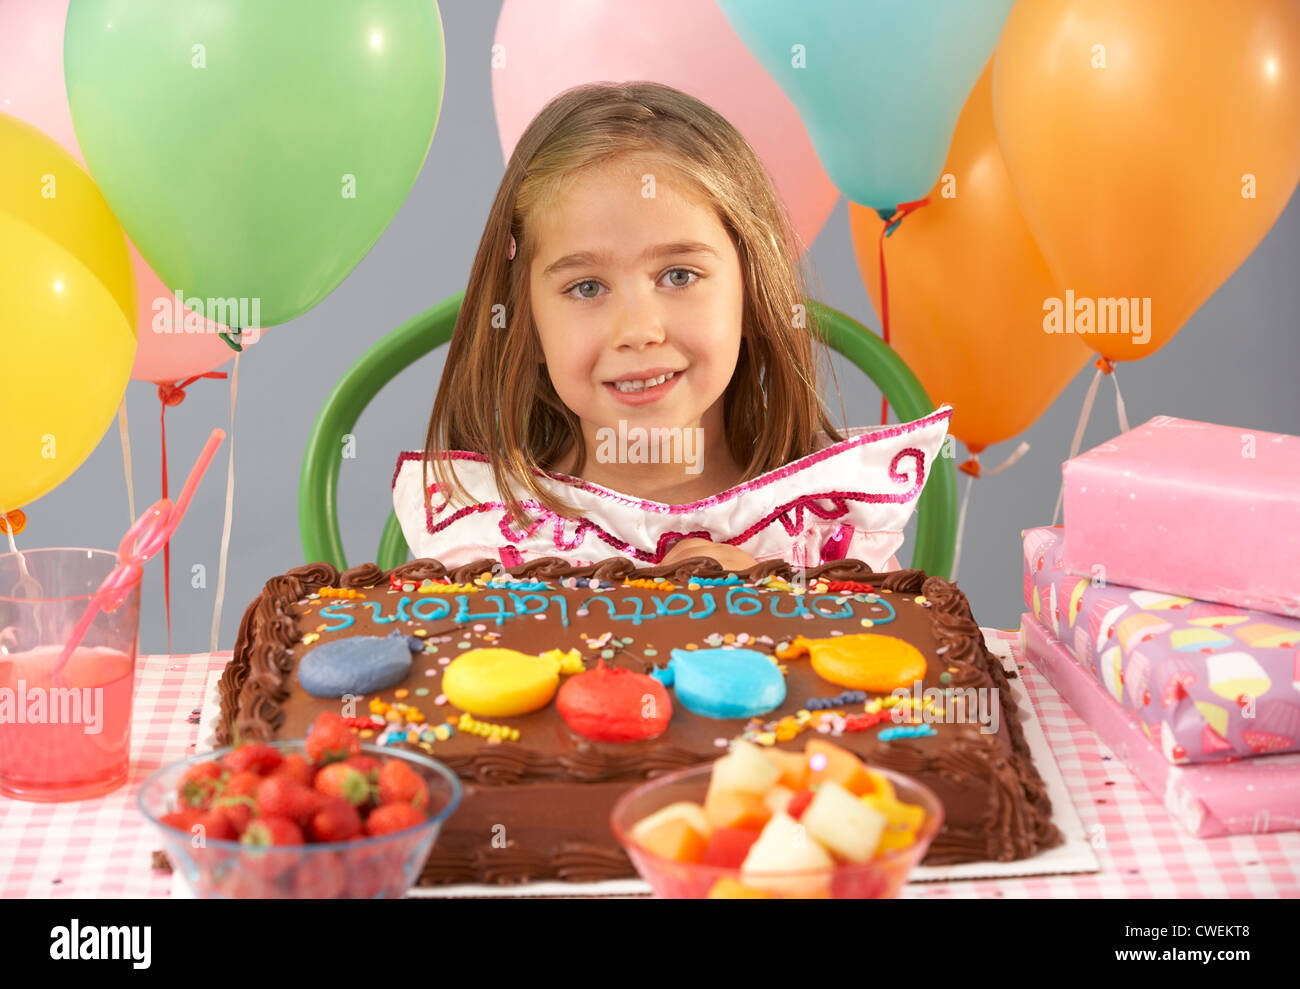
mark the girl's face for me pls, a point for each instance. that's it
(635, 278)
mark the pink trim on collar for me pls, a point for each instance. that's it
(875, 436)
(839, 500)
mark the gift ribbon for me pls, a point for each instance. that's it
(171, 394)
(892, 219)
(1121, 413)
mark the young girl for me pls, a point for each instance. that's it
(632, 371)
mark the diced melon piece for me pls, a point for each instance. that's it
(896, 838)
(693, 814)
(727, 888)
(785, 846)
(793, 766)
(830, 762)
(843, 823)
(882, 784)
(899, 815)
(728, 847)
(745, 768)
(777, 798)
(736, 809)
(674, 839)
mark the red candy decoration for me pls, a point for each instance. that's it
(852, 586)
(615, 705)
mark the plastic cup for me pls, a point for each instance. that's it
(64, 736)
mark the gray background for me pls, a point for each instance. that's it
(1233, 363)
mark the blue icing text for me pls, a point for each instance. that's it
(340, 614)
(726, 683)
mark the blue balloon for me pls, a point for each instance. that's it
(724, 683)
(362, 664)
(879, 84)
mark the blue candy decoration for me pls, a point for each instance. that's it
(363, 664)
(726, 683)
(906, 731)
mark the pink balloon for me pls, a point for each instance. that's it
(32, 89)
(549, 46)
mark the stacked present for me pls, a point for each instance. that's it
(1167, 612)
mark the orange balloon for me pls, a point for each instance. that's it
(966, 291)
(1151, 146)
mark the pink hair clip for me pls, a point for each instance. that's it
(511, 255)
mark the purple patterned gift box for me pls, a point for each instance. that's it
(1208, 682)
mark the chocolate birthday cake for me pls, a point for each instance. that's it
(764, 654)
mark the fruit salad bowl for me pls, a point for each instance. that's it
(692, 835)
(364, 866)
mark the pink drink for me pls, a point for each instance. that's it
(64, 735)
(67, 737)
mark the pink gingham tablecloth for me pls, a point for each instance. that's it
(103, 848)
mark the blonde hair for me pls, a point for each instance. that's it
(495, 397)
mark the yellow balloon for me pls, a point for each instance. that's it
(67, 292)
(502, 683)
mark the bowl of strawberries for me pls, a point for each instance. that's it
(322, 818)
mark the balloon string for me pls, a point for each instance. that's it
(124, 430)
(892, 219)
(1120, 411)
(230, 501)
(1103, 366)
(171, 394)
(973, 469)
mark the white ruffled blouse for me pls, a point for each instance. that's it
(849, 499)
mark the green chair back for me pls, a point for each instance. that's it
(318, 522)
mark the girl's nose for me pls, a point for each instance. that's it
(637, 324)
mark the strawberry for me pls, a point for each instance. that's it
(367, 765)
(400, 784)
(281, 797)
(338, 779)
(799, 803)
(255, 756)
(337, 820)
(216, 826)
(320, 876)
(242, 784)
(272, 831)
(393, 817)
(294, 767)
(199, 785)
(181, 820)
(237, 810)
(244, 884)
(264, 835)
(331, 740)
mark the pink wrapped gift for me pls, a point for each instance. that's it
(1242, 796)
(1210, 681)
(1191, 508)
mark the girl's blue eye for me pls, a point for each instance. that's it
(690, 276)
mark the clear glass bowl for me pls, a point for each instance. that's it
(368, 868)
(881, 878)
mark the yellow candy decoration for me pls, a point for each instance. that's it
(502, 683)
(879, 663)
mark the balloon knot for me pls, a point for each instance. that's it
(1103, 365)
(14, 521)
(234, 339)
(971, 467)
(171, 395)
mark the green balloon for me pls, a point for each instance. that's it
(254, 149)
